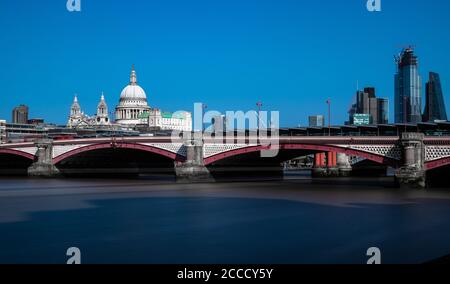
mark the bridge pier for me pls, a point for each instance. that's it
(412, 173)
(333, 170)
(344, 166)
(193, 169)
(331, 164)
(43, 166)
(319, 169)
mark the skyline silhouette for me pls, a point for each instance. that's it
(290, 55)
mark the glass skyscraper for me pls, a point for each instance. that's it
(408, 87)
(435, 106)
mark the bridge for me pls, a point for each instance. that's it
(411, 154)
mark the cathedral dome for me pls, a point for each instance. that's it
(133, 104)
(133, 92)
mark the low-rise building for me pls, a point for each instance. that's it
(24, 132)
(36, 121)
(20, 114)
(2, 131)
(316, 121)
(361, 119)
(159, 120)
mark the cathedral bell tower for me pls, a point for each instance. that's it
(102, 117)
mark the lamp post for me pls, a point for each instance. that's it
(204, 107)
(259, 105)
(329, 116)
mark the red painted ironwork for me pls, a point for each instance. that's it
(314, 148)
(17, 153)
(119, 145)
(437, 164)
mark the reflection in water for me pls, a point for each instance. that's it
(297, 220)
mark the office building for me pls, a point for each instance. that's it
(162, 120)
(383, 111)
(317, 121)
(434, 104)
(408, 88)
(16, 133)
(376, 110)
(20, 115)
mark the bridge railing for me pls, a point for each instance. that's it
(435, 130)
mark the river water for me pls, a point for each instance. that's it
(153, 220)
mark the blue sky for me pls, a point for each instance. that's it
(290, 54)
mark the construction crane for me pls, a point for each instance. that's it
(398, 58)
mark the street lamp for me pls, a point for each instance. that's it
(329, 116)
(259, 105)
(204, 107)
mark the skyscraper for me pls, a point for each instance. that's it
(362, 102)
(408, 86)
(435, 106)
(20, 115)
(383, 111)
(375, 109)
(370, 91)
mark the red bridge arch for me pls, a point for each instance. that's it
(316, 148)
(133, 146)
(437, 164)
(18, 153)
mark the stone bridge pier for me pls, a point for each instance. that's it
(412, 173)
(343, 164)
(336, 165)
(193, 169)
(43, 164)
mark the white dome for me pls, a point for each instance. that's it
(133, 92)
(133, 103)
(133, 95)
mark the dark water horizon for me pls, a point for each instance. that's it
(150, 220)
